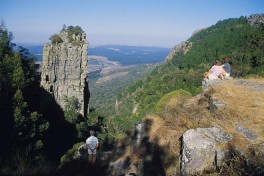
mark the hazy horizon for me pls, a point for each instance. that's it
(161, 23)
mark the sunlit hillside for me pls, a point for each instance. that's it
(240, 106)
(234, 38)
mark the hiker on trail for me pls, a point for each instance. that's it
(226, 66)
(92, 145)
(215, 72)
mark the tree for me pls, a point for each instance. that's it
(55, 39)
(64, 28)
(74, 31)
(72, 107)
(29, 127)
(5, 41)
(21, 126)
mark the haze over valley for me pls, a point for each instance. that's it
(106, 56)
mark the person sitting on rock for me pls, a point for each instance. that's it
(215, 72)
(92, 145)
(227, 67)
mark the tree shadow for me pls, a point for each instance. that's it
(81, 167)
(148, 157)
(86, 99)
(61, 134)
(236, 162)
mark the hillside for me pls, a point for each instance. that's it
(106, 84)
(236, 38)
(234, 106)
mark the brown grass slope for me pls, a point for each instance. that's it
(242, 105)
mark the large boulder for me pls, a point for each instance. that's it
(201, 149)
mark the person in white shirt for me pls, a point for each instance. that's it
(92, 145)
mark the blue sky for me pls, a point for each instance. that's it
(132, 22)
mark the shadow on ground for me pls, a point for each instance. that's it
(82, 168)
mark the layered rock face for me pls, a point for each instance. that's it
(64, 70)
(183, 46)
(256, 19)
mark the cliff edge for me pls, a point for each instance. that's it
(218, 132)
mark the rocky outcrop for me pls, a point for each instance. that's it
(182, 47)
(198, 30)
(64, 70)
(216, 132)
(201, 151)
(249, 134)
(256, 19)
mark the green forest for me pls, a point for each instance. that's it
(103, 95)
(23, 128)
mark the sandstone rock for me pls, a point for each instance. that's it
(214, 103)
(64, 70)
(183, 46)
(256, 19)
(138, 134)
(201, 151)
(249, 134)
(207, 84)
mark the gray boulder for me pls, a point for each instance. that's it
(201, 151)
(249, 134)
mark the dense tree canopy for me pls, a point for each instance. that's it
(5, 41)
(22, 127)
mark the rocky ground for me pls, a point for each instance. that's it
(217, 132)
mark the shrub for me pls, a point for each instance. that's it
(257, 71)
(55, 39)
(74, 31)
(22, 163)
(162, 104)
(72, 107)
(71, 154)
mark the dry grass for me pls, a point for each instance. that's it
(242, 105)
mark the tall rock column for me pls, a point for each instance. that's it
(64, 69)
